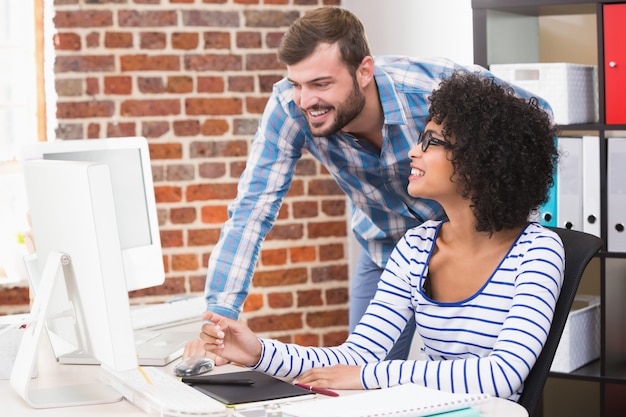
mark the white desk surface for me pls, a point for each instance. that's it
(52, 373)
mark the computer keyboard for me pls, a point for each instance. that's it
(158, 393)
(153, 316)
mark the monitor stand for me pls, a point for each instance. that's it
(26, 359)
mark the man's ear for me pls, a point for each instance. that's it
(365, 72)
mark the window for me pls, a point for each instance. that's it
(22, 116)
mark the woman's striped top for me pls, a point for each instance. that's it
(487, 343)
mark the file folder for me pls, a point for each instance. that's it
(547, 212)
(616, 194)
(591, 184)
(569, 200)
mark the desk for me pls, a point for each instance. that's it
(13, 405)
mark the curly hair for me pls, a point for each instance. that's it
(504, 156)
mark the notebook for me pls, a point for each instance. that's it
(265, 388)
(408, 400)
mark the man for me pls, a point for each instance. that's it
(359, 116)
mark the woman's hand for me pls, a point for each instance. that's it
(230, 339)
(336, 376)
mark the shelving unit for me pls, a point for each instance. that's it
(590, 33)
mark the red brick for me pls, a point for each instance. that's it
(186, 127)
(211, 170)
(334, 338)
(118, 40)
(179, 84)
(330, 273)
(185, 41)
(85, 109)
(179, 172)
(286, 231)
(120, 130)
(67, 42)
(302, 254)
(171, 238)
(305, 209)
(310, 298)
(206, 192)
(280, 299)
(337, 296)
(92, 40)
(185, 262)
(152, 40)
(280, 277)
(203, 237)
(248, 40)
(261, 62)
(324, 187)
(82, 19)
(165, 151)
(92, 86)
(168, 194)
(214, 127)
(211, 84)
(214, 214)
(253, 302)
(118, 85)
(150, 85)
(334, 207)
(154, 129)
(241, 84)
(86, 63)
(150, 63)
(134, 18)
(273, 257)
(316, 230)
(256, 105)
(183, 215)
(306, 339)
(216, 40)
(331, 252)
(327, 318)
(150, 108)
(213, 62)
(216, 106)
(276, 322)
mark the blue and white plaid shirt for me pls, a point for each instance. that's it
(375, 181)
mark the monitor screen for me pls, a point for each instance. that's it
(133, 195)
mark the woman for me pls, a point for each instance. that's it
(482, 285)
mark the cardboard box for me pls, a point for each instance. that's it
(580, 342)
(571, 89)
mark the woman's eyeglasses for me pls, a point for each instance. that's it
(426, 139)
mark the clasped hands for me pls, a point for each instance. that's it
(227, 340)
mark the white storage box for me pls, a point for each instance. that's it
(571, 89)
(580, 342)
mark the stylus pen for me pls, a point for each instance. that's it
(217, 381)
(317, 390)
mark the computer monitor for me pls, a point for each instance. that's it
(133, 195)
(84, 263)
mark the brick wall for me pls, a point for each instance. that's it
(193, 77)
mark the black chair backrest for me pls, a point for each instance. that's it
(580, 248)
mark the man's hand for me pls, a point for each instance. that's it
(196, 347)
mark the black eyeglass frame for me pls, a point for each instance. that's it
(426, 139)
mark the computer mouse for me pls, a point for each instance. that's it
(194, 365)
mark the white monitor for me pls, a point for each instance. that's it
(83, 198)
(133, 195)
(82, 280)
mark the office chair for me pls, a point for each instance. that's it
(580, 248)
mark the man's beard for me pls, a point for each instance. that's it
(344, 114)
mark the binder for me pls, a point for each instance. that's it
(569, 199)
(547, 212)
(616, 194)
(591, 184)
